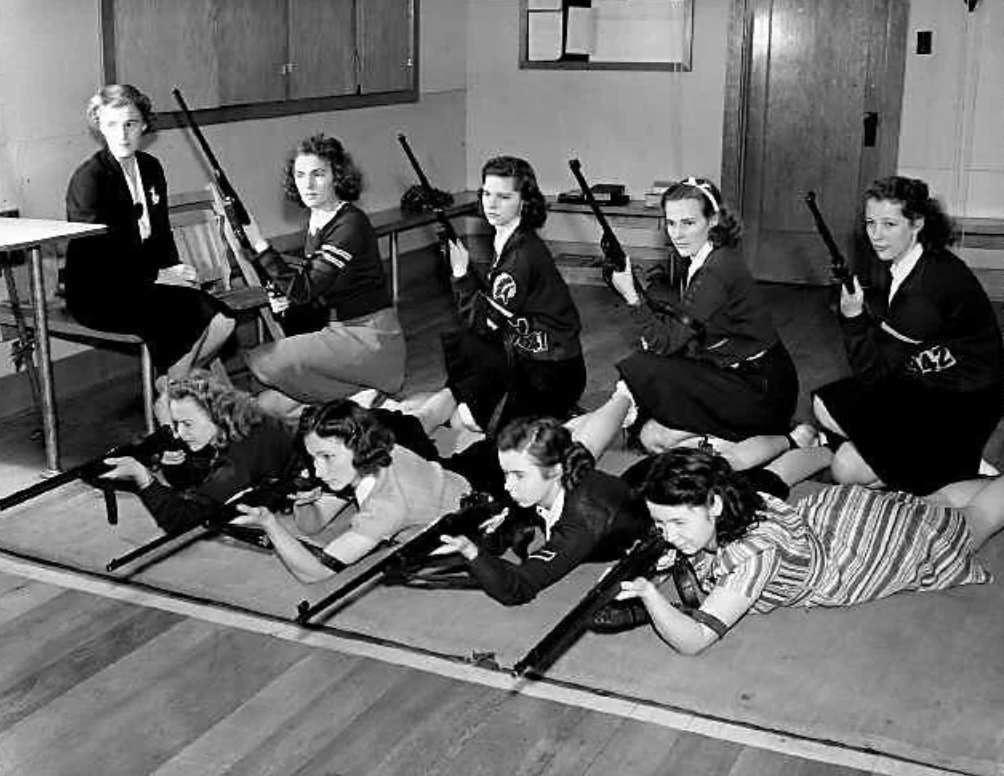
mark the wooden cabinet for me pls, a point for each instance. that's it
(237, 59)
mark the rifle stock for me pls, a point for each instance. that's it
(838, 264)
(441, 217)
(143, 451)
(474, 509)
(639, 562)
(613, 251)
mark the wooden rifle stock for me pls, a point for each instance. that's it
(639, 562)
(838, 264)
(430, 193)
(612, 249)
(143, 451)
(474, 509)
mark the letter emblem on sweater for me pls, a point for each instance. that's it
(934, 359)
(504, 288)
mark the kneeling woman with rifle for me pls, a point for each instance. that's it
(710, 362)
(227, 445)
(840, 546)
(343, 334)
(519, 351)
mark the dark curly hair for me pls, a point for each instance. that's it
(118, 96)
(369, 440)
(685, 476)
(914, 197)
(534, 212)
(234, 412)
(548, 442)
(348, 177)
(728, 232)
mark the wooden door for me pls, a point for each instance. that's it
(813, 98)
(322, 40)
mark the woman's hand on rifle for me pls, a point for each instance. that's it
(460, 259)
(253, 232)
(623, 283)
(852, 305)
(458, 544)
(129, 469)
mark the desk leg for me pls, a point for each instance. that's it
(50, 423)
(393, 266)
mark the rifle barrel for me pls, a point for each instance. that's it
(837, 260)
(441, 217)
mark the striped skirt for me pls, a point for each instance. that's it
(876, 543)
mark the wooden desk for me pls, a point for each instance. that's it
(390, 223)
(31, 234)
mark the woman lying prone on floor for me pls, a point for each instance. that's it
(843, 545)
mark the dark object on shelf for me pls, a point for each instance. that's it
(604, 193)
(417, 200)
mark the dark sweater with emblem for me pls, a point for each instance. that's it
(944, 309)
(342, 272)
(533, 309)
(723, 296)
(599, 521)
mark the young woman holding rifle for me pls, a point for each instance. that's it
(716, 365)
(925, 353)
(343, 333)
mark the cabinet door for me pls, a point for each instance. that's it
(386, 50)
(155, 45)
(322, 48)
(251, 47)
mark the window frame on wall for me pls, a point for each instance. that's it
(207, 105)
(569, 61)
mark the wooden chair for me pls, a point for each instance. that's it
(198, 225)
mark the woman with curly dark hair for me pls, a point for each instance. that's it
(226, 445)
(840, 546)
(519, 351)
(343, 333)
(711, 362)
(925, 353)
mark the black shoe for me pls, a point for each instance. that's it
(620, 616)
(247, 534)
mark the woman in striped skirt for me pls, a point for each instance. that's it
(843, 545)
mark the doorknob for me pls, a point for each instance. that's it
(871, 121)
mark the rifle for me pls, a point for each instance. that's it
(144, 451)
(273, 494)
(430, 193)
(613, 252)
(474, 510)
(838, 264)
(235, 212)
(639, 562)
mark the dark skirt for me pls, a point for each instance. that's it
(170, 318)
(915, 439)
(498, 388)
(685, 394)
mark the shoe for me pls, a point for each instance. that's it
(366, 398)
(621, 389)
(803, 435)
(620, 616)
(987, 469)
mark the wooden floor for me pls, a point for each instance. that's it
(93, 684)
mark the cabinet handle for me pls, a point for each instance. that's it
(871, 121)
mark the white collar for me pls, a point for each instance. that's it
(552, 515)
(900, 269)
(365, 488)
(698, 259)
(502, 236)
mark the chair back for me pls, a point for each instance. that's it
(197, 226)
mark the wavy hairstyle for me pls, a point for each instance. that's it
(914, 198)
(728, 232)
(534, 212)
(548, 442)
(234, 412)
(348, 177)
(119, 96)
(688, 477)
(369, 440)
